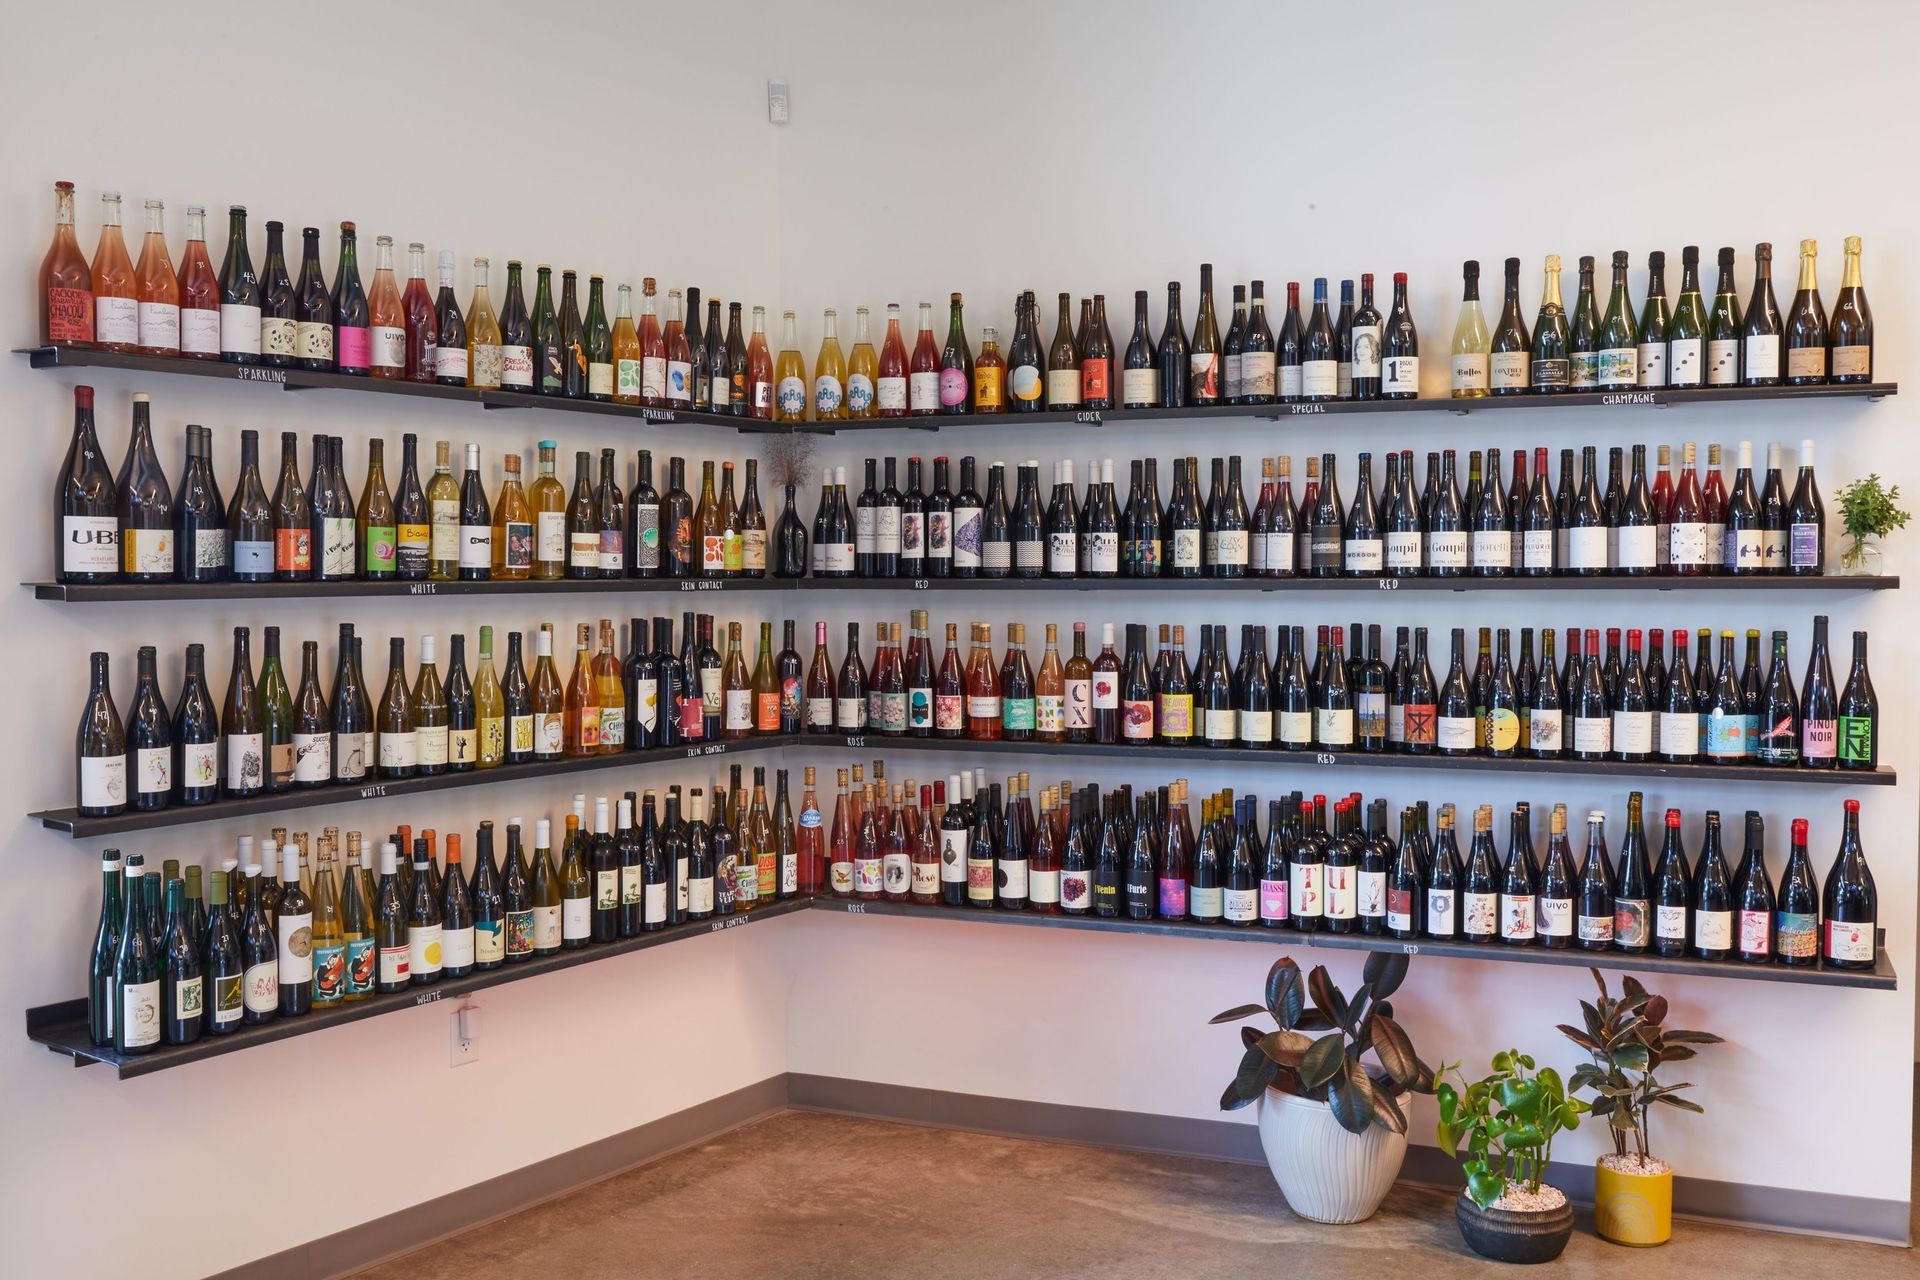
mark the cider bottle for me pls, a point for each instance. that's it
(66, 284)
(862, 369)
(789, 373)
(157, 289)
(116, 307)
(626, 349)
(829, 376)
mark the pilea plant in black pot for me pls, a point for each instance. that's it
(1331, 1124)
(1507, 1121)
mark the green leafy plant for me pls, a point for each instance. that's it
(1508, 1121)
(1330, 1068)
(1869, 510)
(1628, 1042)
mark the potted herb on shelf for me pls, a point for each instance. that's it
(1870, 512)
(1507, 1121)
(1626, 1038)
(1332, 1126)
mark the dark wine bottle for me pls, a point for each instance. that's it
(1850, 331)
(1760, 330)
(1805, 337)
(1849, 903)
(1713, 903)
(1753, 898)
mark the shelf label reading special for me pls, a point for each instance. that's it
(1306, 408)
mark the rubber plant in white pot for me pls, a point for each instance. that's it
(1331, 1124)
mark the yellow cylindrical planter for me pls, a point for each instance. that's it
(1633, 1208)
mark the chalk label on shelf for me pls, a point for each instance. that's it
(421, 588)
(1388, 584)
(426, 997)
(701, 584)
(1631, 397)
(856, 908)
(1089, 416)
(1314, 407)
(259, 373)
(729, 923)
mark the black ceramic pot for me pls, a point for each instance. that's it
(1506, 1236)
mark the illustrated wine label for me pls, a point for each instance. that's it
(1670, 923)
(1712, 930)
(923, 392)
(1652, 361)
(1796, 934)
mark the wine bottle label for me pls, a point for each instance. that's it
(463, 745)
(1796, 934)
(1619, 367)
(1173, 897)
(278, 335)
(1296, 727)
(295, 949)
(103, 781)
(1320, 378)
(199, 764)
(1256, 728)
(1683, 366)
(1596, 928)
(626, 379)
(1233, 364)
(546, 922)
(1857, 740)
(1396, 723)
(1400, 375)
(1637, 546)
(1186, 548)
(476, 546)
(1403, 550)
(1176, 716)
(89, 544)
(583, 549)
(147, 551)
(1400, 910)
(1632, 922)
(1366, 351)
(892, 393)
(1508, 369)
(431, 743)
(1218, 724)
(1744, 550)
(859, 396)
(1848, 362)
(1670, 923)
(550, 540)
(451, 362)
(153, 770)
(1291, 381)
(1093, 379)
(1447, 549)
(1755, 930)
(1545, 731)
(1593, 733)
(240, 328)
(1556, 918)
(979, 876)
(1679, 733)
(1819, 739)
(549, 732)
(381, 548)
(1442, 920)
(1333, 728)
(1371, 712)
(1304, 889)
(654, 904)
(949, 713)
(1652, 361)
(1470, 371)
(516, 368)
(246, 761)
(1712, 930)
(1203, 375)
(1502, 730)
(1241, 906)
(1063, 387)
(953, 387)
(1728, 736)
(1807, 362)
(653, 384)
(1454, 733)
(1493, 548)
(1029, 553)
(1555, 371)
(1803, 546)
(1760, 356)
(520, 735)
(116, 320)
(1256, 373)
(389, 345)
(1272, 898)
(138, 1020)
(398, 751)
(1363, 555)
(923, 392)
(1536, 549)
(1101, 552)
(1136, 720)
(1206, 902)
(1324, 546)
(313, 340)
(679, 385)
(1480, 914)
(520, 933)
(1587, 547)
(199, 330)
(576, 918)
(1632, 732)
(1583, 370)
(210, 548)
(739, 710)
(1106, 690)
(292, 550)
(157, 327)
(1049, 712)
(1723, 362)
(251, 555)
(1517, 916)
(1373, 893)
(968, 527)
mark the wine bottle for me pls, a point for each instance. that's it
(1655, 319)
(1617, 337)
(1511, 352)
(1796, 916)
(1806, 328)
(1713, 902)
(1849, 903)
(1471, 345)
(1204, 378)
(1753, 898)
(1760, 330)
(1850, 331)
(1685, 340)
(1806, 521)
(1400, 348)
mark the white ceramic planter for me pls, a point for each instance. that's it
(1326, 1173)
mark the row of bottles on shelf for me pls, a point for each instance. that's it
(283, 936)
(1354, 353)
(138, 527)
(1344, 695)
(167, 967)
(1638, 706)
(1628, 523)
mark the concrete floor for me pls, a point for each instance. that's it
(801, 1196)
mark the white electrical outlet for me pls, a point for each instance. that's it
(464, 1030)
(778, 110)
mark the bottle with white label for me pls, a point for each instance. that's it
(1723, 329)
(102, 749)
(1687, 525)
(1850, 904)
(1684, 340)
(293, 923)
(1510, 359)
(1472, 346)
(386, 316)
(1672, 892)
(1558, 886)
(1712, 898)
(1744, 542)
(1655, 320)
(134, 994)
(196, 735)
(1760, 330)
(239, 295)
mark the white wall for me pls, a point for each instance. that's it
(1065, 146)
(1053, 147)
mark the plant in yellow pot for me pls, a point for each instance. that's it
(1628, 1042)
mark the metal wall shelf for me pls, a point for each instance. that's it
(62, 1027)
(125, 592)
(299, 380)
(1881, 777)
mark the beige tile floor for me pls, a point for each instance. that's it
(799, 1196)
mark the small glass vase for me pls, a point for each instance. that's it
(1862, 559)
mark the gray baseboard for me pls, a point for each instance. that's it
(415, 1227)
